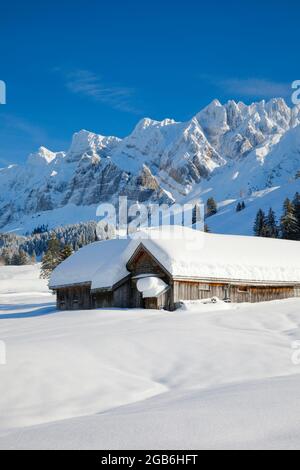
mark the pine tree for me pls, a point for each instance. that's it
(239, 207)
(20, 258)
(66, 252)
(51, 259)
(289, 223)
(15, 259)
(271, 229)
(23, 258)
(6, 256)
(296, 203)
(211, 207)
(260, 224)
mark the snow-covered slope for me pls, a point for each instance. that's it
(22, 280)
(229, 151)
(119, 379)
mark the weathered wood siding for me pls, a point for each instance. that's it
(265, 294)
(126, 295)
(81, 298)
(151, 304)
(102, 299)
(136, 300)
(145, 264)
(187, 290)
(164, 301)
(122, 296)
(74, 298)
(297, 291)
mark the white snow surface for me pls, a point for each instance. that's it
(138, 379)
(22, 280)
(185, 253)
(151, 286)
(102, 263)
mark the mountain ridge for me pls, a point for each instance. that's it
(229, 151)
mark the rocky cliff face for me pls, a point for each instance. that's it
(233, 145)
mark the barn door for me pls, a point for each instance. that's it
(151, 303)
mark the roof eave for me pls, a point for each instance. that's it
(69, 285)
(235, 281)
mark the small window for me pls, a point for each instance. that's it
(243, 290)
(204, 287)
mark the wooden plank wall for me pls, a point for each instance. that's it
(102, 300)
(136, 300)
(127, 295)
(151, 304)
(184, 290)
(74, 298)
(144, 264)
(161, 302)
(297, 291)
(265, 294)
(122, 297)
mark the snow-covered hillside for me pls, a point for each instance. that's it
(206, 376)
(230, 151)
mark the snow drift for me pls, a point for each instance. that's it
(119, 379)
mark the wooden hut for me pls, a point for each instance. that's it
(161, 268)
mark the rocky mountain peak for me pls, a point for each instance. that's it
(43, 156)
(232, 149)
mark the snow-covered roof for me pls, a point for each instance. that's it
(185, 253)
(102, 263)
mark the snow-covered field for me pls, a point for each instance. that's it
(208, 376)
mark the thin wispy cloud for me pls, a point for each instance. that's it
(19, 125)
(251, 87)
(19, 137)
(87, 83)
(4, 163)
(260, 87)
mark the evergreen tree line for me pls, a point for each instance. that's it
(13, 247)
(18, 258)
(288, 228)
(212, 207)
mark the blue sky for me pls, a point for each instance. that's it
(102, 66)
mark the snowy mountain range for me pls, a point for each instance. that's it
(232, 152)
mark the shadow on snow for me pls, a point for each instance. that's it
(46, 309)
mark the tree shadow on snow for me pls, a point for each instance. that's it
(39, 312)
(4, 307)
